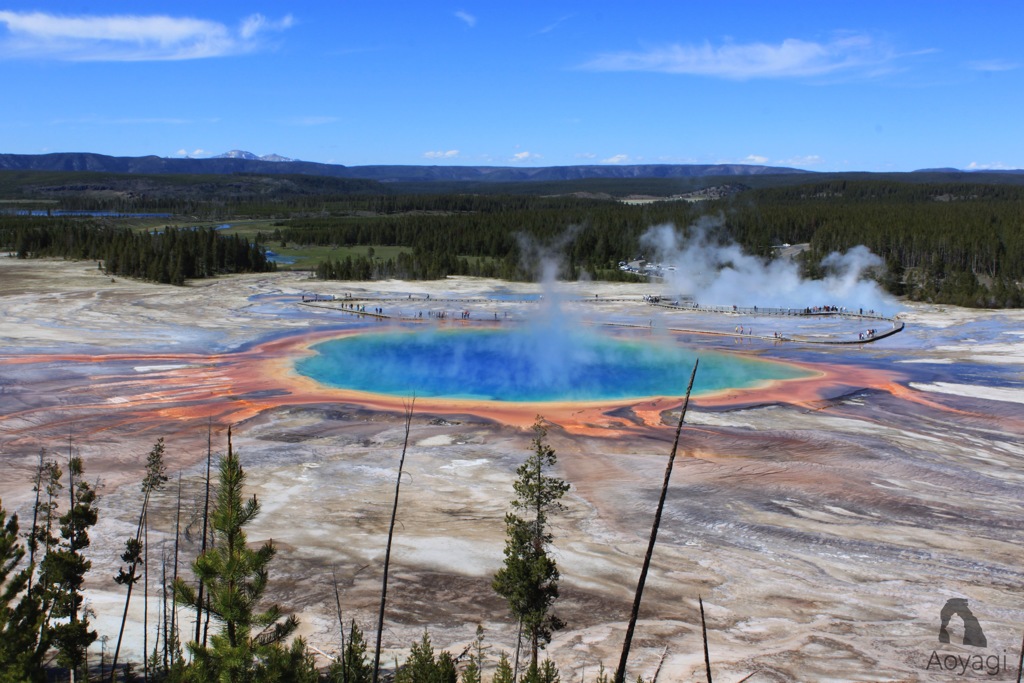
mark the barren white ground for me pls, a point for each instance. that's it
(824, 537)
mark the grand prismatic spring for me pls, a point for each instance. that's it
(825, 512)
(526, 365)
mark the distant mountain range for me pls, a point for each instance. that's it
(237, 161)
(249, 156)
(1011, 171)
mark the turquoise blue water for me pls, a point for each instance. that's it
(526, 366)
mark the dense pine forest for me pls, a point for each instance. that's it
(168, 256)
(958, 241)
(948, 243)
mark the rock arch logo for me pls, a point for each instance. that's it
(987, 663)
(973, 634)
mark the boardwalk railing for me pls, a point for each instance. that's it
(761, 310)
(356, 306)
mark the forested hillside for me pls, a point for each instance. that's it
(959, 242)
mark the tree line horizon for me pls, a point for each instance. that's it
(954, 243)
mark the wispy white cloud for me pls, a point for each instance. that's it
(616, 159)
(792, 58)
(586, 155)
(801, 161)
(553, 25)
(996, 166)
(525, 156)
(466, 17)
(448, 154)
(993, 65)
(194, 153)
(755, 159)
(255, 24)
(129, 38)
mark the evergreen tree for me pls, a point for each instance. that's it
(352, 666)
(471, 674)
(528, 580)
(20, 615)
(894, 275)
(546, 672)
(35, 640)
(504, 673)
(423, 667)
(21, 609)
(249, 644)
(43, 536)
(473, 671)
(281, 664)
(65, 567)
(446, 668)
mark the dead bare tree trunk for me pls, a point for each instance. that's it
(661, 663)
(33, 539)
(206, 518)
(519, 643)
(165, 618)
(174, 575)
(131, 579)
(145, 596)
(341, 628)
(71, 512)
(387, 551)
(1020, 663)
(704, 637)
(620, 673)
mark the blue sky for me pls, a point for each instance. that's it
(826, 86)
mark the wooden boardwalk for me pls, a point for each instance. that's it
(342, 306)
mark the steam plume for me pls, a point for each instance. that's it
(717, 273)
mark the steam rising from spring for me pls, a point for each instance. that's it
(544, 338)
(720, 274)
(554, 355)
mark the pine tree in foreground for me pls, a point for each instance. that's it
(42, 538)
(503, 674)
(545, 672)
(423, 667)
(249, 645)
(65, 567)
(20, 614)
(528, 579)
(473, 672)
(353, 665)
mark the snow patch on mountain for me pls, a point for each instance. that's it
(249, 156)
